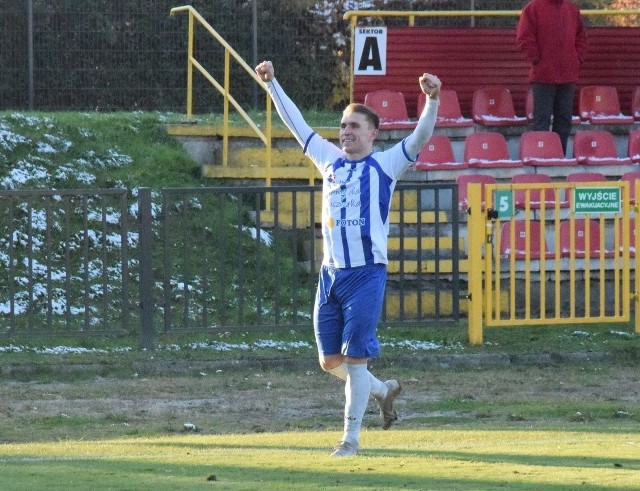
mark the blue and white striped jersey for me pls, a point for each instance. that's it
(356, 195)
(356, 199)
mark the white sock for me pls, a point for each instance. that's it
(356, 391)
(340, 371)
(378, 387)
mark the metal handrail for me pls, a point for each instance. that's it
(224, 88)
(353, 15)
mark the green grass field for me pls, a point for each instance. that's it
(547, 421)
(442, 459)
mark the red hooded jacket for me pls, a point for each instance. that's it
(551, 35)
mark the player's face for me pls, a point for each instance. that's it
(356, 135)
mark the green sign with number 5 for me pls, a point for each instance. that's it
(504, 203)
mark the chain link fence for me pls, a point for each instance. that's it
(131, 55)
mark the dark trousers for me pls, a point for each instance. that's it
(553, 100)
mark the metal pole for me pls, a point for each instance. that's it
(147, 334)
(473, 19)
(30, 87)
(475, 232)
(254, 42)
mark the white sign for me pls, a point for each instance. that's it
(370, 51)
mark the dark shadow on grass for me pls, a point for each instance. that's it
(577, 461)
(159, 475)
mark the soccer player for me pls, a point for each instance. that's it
(356, 199)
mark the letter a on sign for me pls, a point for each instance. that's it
(370, 51)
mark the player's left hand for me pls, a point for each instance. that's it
(430, 85)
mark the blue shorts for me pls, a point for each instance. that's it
(347, 310)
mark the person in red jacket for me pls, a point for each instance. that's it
(551, 35)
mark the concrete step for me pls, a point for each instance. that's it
(425, 243)
(428, 266)
(413, 217)
(304, 174)
(402, 306)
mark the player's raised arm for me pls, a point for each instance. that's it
(431, 86)
(288, 111)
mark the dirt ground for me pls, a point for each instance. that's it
(241, 398)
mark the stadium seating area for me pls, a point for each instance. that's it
(488, 150)
(540, 150)
(502, 103)
(494, 145)
(635, 104)
(597, 147)
(599, 104)
(578, 239)
(543, 149)
(493, 106)
(391, 107)
(437, 154)
(449, 113)
(463, 182)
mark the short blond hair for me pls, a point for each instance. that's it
(368, 113)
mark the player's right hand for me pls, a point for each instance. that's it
(265, 71)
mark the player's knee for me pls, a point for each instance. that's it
(330, 362)
(326, 366)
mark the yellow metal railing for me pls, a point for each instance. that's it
(353, 15)
(518, 278)
(224, 88)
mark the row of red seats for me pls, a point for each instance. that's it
(528, 235)
(538, 196)
(537, 148)
(493, 106)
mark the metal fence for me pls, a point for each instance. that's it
(102, 55)
(66, 261)
(550, 254)
(83, 262)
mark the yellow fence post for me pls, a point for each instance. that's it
(637, 260)
(475, 235)
(190, 67)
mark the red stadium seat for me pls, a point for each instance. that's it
(391, 107)
(488, 150)
(581, 248)
(536, 196)
(526, 236)
(597, 147)
(635, 104)
(493, 106)
(464, 180)
(599, 104)
(631, 177)
(633, 147)
(449, 113)
(543, 149)
(586, 177)
(437, 154)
